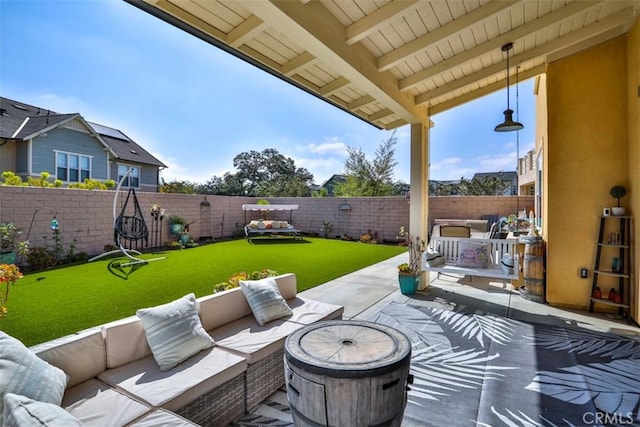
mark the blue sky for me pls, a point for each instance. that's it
(195, 107)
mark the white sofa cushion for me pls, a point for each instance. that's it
(265, 300)
(20, 411)
(252, 341)
(96, 404)
(125, 341)
(174, 331)
(176, 388)
(223, 307)
(307, 311)
(23, 373)
(227, 306)
(162, 418)
(81, 357)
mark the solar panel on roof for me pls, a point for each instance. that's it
(104, 130)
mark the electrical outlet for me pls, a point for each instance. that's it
(584, 273)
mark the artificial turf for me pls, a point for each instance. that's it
(57, 302)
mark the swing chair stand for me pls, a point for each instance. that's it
(130, 228)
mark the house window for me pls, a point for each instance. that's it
(133, 179)
(72, 167)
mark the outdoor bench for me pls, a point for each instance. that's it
(114, 380)
(451, 255)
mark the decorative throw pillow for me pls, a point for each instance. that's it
(473, 254)
(507, 264)
(20, 411)
(434, 258)
(22, 372)
(174, 331)
(265, 300)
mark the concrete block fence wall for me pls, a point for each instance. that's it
(87, 215)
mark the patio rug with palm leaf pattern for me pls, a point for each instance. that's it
(488, 370)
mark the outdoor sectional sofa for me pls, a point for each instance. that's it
(114, 379)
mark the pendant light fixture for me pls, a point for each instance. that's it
(509, 125)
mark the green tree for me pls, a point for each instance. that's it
(483, 186)
(369, 178)
(182, 187)
(262, 174)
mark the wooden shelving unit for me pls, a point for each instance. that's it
(612, 263)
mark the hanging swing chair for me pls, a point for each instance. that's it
(128, 230)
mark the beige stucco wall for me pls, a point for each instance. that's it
(633, 120)
(587, 150)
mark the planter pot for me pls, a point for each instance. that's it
(8, 258)
(408, 283)
(616, 211)
(176, 228)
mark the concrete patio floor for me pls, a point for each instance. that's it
(365, 292)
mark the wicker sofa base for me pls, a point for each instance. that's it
(220, 407)
(264, 378)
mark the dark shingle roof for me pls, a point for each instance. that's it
(15, 114)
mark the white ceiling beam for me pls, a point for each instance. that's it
(544, 50)
(361, 102)
(299, 62)
(322, 35)
(495, 43)
(334, 86)
(450, 29)
(395, 124)
(482, 91)
(247, 30)
(380, 114)
(378, 19)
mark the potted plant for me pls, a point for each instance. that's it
(408, 272)
(618, 191)
(8, 242)
(176, 225)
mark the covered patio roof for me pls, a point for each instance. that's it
(391, 63)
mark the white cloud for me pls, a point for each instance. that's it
(333, 146)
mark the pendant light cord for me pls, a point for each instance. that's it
(517, 145)
(508, 78)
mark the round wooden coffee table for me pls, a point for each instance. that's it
(347, 372)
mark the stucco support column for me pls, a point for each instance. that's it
(419, 201)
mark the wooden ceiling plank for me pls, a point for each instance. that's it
(248, 50)
(245, 31)
(448, 30)
(544, 50)
(315, 28)
(485, 48)
(378, 19)
(192, 20)
(297, 63)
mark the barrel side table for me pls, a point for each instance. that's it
(347, 373)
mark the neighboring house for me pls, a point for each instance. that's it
(331, 183)
(70, 148)
(510, 177)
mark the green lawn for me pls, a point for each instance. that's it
(57, 302)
